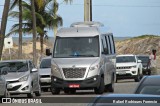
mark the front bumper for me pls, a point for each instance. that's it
(126, 74)
(45, 82)
(88, 83)
(17, 87)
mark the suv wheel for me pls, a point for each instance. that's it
(45, 89)
(55, 90)
(138, 77)
(100, 89)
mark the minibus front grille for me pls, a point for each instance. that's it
(74, 72)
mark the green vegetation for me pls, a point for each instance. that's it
(145, 36)
(46, 19)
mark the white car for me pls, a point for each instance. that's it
(45, 73)
(128, 67)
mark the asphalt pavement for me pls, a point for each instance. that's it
(123, 86)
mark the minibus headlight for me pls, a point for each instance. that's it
(23, 78)
(93, 67)
(55, 68)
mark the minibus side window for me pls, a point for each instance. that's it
(112, 45)
(108, 44)
(105, 45)
(102, 46)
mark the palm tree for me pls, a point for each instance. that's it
(56, 16)
(3, 25)
(19, 2)
(44, 19)
(34, 31)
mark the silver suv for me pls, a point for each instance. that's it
(22, 77)
(3, 84)
(45, 73)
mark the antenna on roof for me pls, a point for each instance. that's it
(87, 24)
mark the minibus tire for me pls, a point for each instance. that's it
(55, 91)
(110, 88)
(101, 88)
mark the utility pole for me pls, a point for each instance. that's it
(87, 10)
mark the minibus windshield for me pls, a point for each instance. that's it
(73, 47)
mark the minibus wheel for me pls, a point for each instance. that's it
(55, 91)
(101, 88)
(109, 88)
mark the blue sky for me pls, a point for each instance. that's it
(126, 18)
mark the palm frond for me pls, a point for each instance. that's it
(26, 5)
(14, 14)
(13, 4)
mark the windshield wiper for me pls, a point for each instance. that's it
(83, 55)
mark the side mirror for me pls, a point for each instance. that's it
(48, 52)
(139, 61)
(105, 51)
(5, 70)
(34, 70)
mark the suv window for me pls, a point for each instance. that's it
(31, 65)
(45, 63)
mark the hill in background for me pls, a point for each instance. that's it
(136, 45)
(139, 45)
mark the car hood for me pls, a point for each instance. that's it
(15, 75)
(45, 71)
(78, 62)
(125, 64)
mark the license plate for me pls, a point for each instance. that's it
(74, 85)
(121, 73)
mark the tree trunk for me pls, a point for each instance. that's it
(3, 25)
(34, 32)
(55, 31)
(41, 43)
(20, 30)
(55, 17)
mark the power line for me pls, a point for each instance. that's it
(103, 5)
